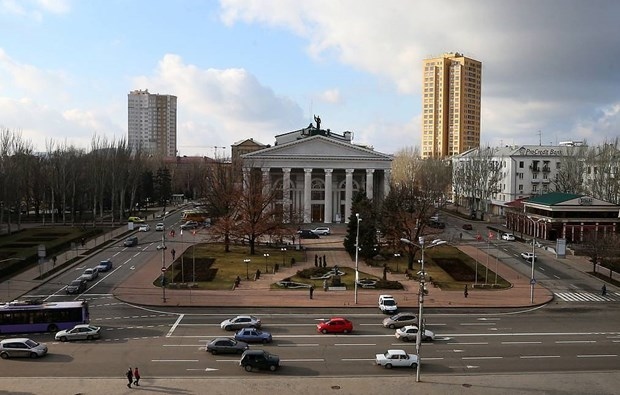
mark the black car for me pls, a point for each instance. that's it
(131, 241)
(76, 286)
(259, 359)
(307, 234)
(226, 345)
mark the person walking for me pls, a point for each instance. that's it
(173, 252)
(311, 291)
(465, 293)
(54, 258)
(129, 375)
(604, 290)
(136, 376)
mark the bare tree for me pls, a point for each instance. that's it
(570, 176)
(602, 172)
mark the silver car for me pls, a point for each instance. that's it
(79, 332)
(399, 320)
(241, 321)
(22, 347)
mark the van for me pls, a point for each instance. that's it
(131, 241)
(22, 347)
(387, 304)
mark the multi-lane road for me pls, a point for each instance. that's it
(170, 341)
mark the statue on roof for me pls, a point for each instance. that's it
(317, 119)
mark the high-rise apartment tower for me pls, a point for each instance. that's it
(152, 123)
(451, 105)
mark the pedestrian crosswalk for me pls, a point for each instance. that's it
(587, 296)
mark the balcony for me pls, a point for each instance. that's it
(546, 169)
(534, 168)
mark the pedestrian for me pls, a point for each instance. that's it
(461, 236)
(54, 261)
(324, 261)
(173, 252)
(316, 260)
(325, 285)
(83, 242)
(129, 375)
(136, 376)
(465, 293)
(604, 290)
(311, 291)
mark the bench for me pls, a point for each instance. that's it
(342, 288)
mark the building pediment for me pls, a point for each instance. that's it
(319, 148)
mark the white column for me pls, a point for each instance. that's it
(348, 194)
(266, 180)
(246, 177)
(286, 195)
(307, 190)
(328, 196)
(386, 182)
(369, 183)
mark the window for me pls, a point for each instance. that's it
(521, 187)
(521, 164)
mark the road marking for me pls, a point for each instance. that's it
(574, 341)
(476, 323)
(205, 370)
(597, 356)
(183, 345)
(174, 360)
(538, 356)
(356, 359)
(470, 344)
(521, 342)
(174, 326)
(354, 344)
(468, 358)
(558, 277)
(488, 319)
(304, 360)
(299, 345)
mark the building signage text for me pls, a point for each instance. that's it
(543, 152)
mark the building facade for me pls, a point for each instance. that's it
(152, 123)
(317, 172)
(451, 103)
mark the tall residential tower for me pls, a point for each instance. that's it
(451, 105)
(152, 123)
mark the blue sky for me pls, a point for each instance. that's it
(244, 69)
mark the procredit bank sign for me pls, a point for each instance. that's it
(542, 152)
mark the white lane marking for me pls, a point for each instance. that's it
(356, 359)
(470, 344)
(304, 360)
(298, 345)
(204, 370)
(183, 345)
(558, 277)
(476, 323)
(521, 342)
(574, 341)
(538, 356)
(468, 358)
(174, 326)
(354, 344)
(597, 356)
(175, 360)
(488, 319)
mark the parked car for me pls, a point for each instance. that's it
(226, 345)
(79, 332)
(135, 220)
(90, 274)
(144, 228)
(21, 347)
(189, 225)
(259, 359)
(322, 231)
(399, 320)
(468, 227)
(508, 237)
(529, 256)
(307, 234)
(104, 265)
(335, 325)
(241, 321)
(160, 227)
(387, 304)
(410, 333)
(131, 241)
(76, 286)
(253, 335)
(396, 358)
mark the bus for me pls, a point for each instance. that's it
(37, 316)
(199, 216)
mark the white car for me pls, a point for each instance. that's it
(79, 332)
(410, 333)
(241, 321)
(396, 358)
(160, 227)
(144, 228)
(322, 231)
(528, 256)
(387, 304)
(90, 274)
(508, 237)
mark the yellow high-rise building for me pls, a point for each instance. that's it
(451, 105)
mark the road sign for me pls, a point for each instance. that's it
(533, 281)
(163, 269)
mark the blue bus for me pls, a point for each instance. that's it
(36, 316)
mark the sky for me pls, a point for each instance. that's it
(258, 68)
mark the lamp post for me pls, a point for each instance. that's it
(396, 256)
(266, 267)
(532, 279)
(163, 266)
(283, 249)
(357, 250)
(418, 344)
(247, 268)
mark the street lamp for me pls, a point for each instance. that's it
(283, 249)
(396, 256)
(266, 257)
(357, 250)
(418, 344)
(532, 279)
(247, 268)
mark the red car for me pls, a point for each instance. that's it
(335, 325)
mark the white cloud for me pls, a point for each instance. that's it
(34, 9)
(331, 96)
(27, 79)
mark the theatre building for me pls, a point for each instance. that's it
(316, 173)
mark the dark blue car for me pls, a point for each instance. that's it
(252, 335)
(104, 266)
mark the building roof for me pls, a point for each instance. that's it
(553, 198)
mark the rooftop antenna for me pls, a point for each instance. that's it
(539, 138)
